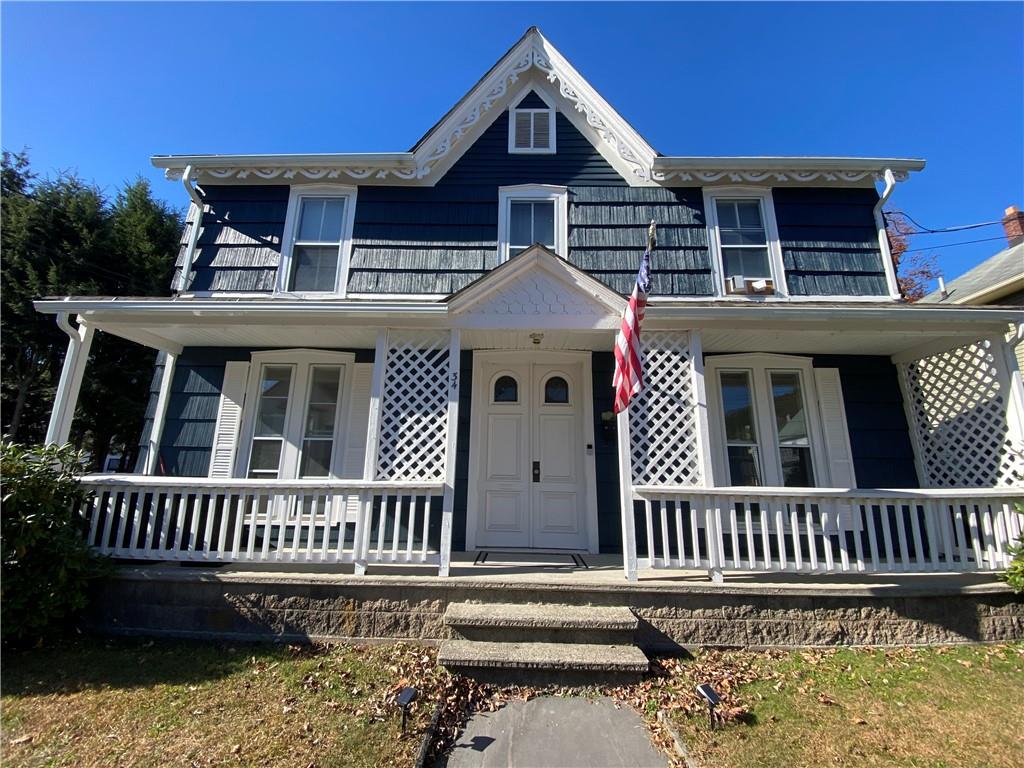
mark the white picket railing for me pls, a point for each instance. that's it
(827, 530)
(298, 521)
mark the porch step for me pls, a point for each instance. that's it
(541, 623)
(565, 663)
(542, 643)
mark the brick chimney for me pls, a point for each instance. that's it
(1013, 225)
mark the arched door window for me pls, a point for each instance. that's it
(506, 390)
(556, 391)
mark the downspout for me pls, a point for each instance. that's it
(883, 239)
(193, 235)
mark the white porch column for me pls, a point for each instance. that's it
(626, 497)
(160, 416)
(80, 340)
(363, 520)
(1006, 360)
(447, 509)
(707, 472)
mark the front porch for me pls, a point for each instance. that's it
(866, 438)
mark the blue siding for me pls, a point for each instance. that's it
(830, 241)
(531, 101)
(606, 456)
(460, 504)
(883, 455)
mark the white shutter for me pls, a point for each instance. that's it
(833, 421)
(358, 422)
(837, 441)
(356, 436)
(229, 419)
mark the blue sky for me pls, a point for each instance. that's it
(101, 87)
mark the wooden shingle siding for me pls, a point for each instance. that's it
(608, 234)
(239, 247)
(829, 241)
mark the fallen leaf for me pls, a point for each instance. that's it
(26, 739)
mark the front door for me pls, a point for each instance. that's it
(531, 490)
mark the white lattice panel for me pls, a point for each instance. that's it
(414, 407)
(663, 426)
(957, 404)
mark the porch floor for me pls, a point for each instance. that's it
(557, 572)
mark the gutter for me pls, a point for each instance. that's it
(197, 225)
(883, 237)
(877, 164)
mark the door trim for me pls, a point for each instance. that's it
(478, 407)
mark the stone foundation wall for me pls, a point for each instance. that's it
(192, 603)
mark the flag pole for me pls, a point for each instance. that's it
(629, 558)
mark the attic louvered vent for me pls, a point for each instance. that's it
(532, 126)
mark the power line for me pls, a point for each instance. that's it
(923, 230)
(951, 245)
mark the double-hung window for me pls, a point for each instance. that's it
(744, 241)
(763, 409)
(531, 214)
(319, 228)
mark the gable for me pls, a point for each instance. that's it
(537, 284)
(487, 160)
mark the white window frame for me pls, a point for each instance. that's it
(533, 193)
(552, 114)
(301, 360)
(771, 229)
(298, 193)
(760, 367)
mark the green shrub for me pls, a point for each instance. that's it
(46, 564)
(1014, 575)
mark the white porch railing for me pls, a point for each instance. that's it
(827, 530)
(300, 521)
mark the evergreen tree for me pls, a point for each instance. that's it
(61, 237)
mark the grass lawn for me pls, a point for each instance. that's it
(146, 703)
(960, 706)
(99, 702)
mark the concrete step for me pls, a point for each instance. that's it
(541, 623)
(567, 663)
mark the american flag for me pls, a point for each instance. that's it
(629, 373)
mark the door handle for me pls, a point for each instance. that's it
(536, 471)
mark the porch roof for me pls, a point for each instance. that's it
(810, 327)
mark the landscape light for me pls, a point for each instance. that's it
(405, 698)
(710, 695)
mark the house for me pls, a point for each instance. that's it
(998, 280)
(375, 359)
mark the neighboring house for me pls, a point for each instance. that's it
(998, 280)
(385, 358)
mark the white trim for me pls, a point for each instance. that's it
(551, 111)
(533, 192)
(771, 231)
(760, 365)
(156, 429)
(481, 399)
(297, 193)
(301, 361)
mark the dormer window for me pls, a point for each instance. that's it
(531, 126)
